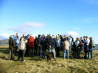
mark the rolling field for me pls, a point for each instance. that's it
(36, 65)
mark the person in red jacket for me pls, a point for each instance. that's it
(31, 46)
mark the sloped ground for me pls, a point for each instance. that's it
(36, 65)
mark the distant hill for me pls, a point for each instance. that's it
(3, 42)
(3, 38)
(96, 46)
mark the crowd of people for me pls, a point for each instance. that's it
(50, 46)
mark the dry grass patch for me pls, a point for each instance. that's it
(36, 65)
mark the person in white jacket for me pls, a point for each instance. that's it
(22, 48)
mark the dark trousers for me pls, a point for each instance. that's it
(12, 54)
(15, 51)
(86, 55)
(21, 54)
(30, 52)
(36, 51)
(78, 52)
(57, 51)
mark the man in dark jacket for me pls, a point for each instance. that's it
(58, 45)
(36, 47)
(11, 48)
(91, 46)
(42, 48)
(86, 46)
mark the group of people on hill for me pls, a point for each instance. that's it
(41, 45)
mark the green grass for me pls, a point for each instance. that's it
(36, 65)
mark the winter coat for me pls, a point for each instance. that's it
(66, 45)
(11, 43)
(86, 46)
(31, 42)
(16, 40)
(91, 45)
(22, 44)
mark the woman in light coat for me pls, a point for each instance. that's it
(22, 48)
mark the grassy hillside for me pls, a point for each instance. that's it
(36, 65)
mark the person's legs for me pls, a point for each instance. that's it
(85, 54)
(79, 53)
(41, 52)
(75, 52)
(15, 51)
(64, 54)
(54, 53)
(11, 54)
(57, 51)
(67, 54)
(19, 54)
(33, 51)
(22, 57)
(44, 52)
(90, 54)
(38, 51)
(22, 54)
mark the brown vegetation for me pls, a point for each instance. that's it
(36, 65)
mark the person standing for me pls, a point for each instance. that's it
(22, 48)
(86, 46)
(66, 48)
(36, 46)
(77, 47)
(53, 45)
(11, 48)
(91, 46)
(16, 42)
(58, 45)
(81, 48)
(30, 43)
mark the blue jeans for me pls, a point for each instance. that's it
(90, 54)
(66, 54)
